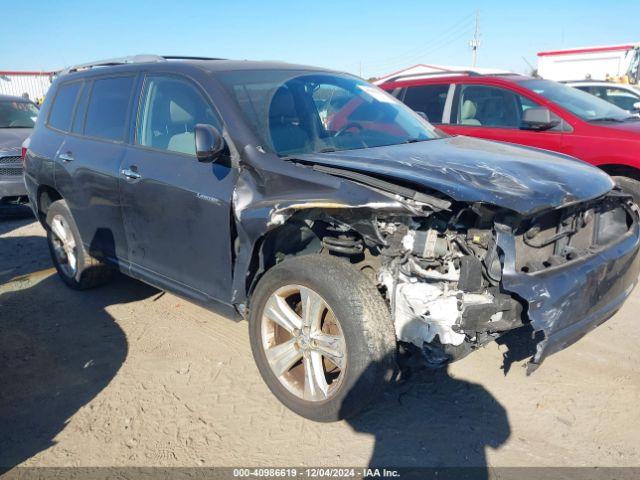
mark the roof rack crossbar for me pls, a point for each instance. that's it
(128, 60)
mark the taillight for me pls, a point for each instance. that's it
(23, 155)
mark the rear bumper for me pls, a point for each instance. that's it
(568, 302)
(12, 187)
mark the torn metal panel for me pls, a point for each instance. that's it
(521, 179)
(567, 302)
(269, 191)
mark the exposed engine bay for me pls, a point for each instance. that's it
(442, 279)
(442, 273)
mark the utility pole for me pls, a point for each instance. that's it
(475, 42)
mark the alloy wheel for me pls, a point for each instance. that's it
(303, 343)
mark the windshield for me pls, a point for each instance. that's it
(581, 104)
(301, 112)
(16, 114)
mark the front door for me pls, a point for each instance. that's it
(495, 113)
(177, 210)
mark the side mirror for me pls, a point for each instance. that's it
(636, 106)
(538, 119)
(209, 143)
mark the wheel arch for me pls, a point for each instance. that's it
(302, 234)
(45, 196)
(621, 170)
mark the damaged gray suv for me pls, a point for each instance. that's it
(340, 224)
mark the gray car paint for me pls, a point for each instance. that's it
(268, 190)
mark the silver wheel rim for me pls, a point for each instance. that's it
(303, 343)
(64, 246)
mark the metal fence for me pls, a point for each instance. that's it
(35, 84)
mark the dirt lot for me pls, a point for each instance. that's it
(123, 375)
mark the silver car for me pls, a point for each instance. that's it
(17, 118)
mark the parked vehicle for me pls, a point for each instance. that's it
(627, 97)
(529, 111)
(17, 118)
(604, 62)
(334, 219)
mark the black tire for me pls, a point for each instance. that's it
(90, 272)
(629, 185)
(366, 325)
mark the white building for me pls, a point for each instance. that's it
(603, 62)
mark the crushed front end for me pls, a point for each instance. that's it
(458, 279)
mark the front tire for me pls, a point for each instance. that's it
(630, 186)
(321, 336)
(76, 267)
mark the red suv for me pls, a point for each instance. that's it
(528, 111)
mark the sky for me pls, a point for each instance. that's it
(367, 38)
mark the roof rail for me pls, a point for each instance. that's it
(442, 73)
(183, 57)
(128, 60)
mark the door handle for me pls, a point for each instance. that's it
(66, 157)
(130, 173)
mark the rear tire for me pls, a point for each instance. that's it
(76, 267)
(367, 349)
(629, 185)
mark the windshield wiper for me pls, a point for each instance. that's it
(326, 150)
(609, 119)
(415, 140)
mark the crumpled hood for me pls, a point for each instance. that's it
(522, 179)
(11, 140)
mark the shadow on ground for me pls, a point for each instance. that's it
(439, 423)
(14, 213)
(54, 362)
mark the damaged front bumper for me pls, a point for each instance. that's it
(567, 301)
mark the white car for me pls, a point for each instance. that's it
(622, 95)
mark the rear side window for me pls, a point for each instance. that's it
(108, 107)
(62, 108)
(429, 99)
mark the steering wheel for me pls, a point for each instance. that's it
(347, 127)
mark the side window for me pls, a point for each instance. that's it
(62, 108)
(429, 99)
(481, 105)
(621, 98)
(81, 108)
(108, 106)
(170, 109)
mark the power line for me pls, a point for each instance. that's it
(442, 42)
(419, 50)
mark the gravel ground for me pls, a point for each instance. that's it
(125, 376)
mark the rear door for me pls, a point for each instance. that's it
(433, 101)
(176, 209)
(88, 163)
(495, 113)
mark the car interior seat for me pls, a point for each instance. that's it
(182, 112)
(468, 113)
(287, 135)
